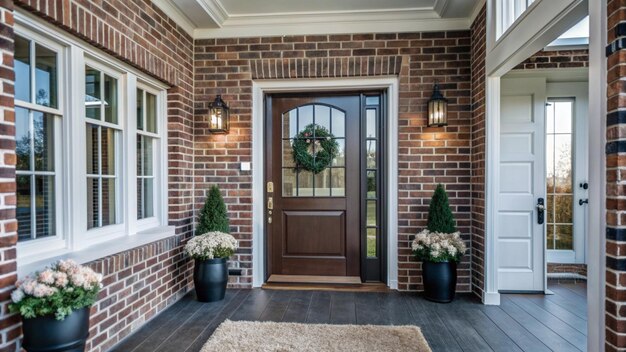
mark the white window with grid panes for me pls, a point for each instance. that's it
(508, 12)
(38, 132)
(90, 149)
(147, 141)
(103, 130)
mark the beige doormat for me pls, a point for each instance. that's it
(272, 337)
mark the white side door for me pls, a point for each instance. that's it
(520, 235)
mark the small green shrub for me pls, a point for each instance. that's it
(213, 216)
(440, 217)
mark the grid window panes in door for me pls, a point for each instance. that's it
(103, 136)
(372, 173)
(146, 148)
(37, 132)
(299, 182)
(560, 202)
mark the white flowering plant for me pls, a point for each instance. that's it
(211, 245)
(438, 247)
(58, 290)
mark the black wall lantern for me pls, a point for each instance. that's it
(219, 116)
(437, 109)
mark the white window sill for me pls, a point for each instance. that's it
(98, 251)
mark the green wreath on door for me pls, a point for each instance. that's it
(314, 148)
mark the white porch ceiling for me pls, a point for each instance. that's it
(245, 18)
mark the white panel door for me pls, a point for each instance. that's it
(520, 238)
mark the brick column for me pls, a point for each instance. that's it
(478, 55)
(9, 324)
(615, 319)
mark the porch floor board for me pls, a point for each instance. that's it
(523, 322)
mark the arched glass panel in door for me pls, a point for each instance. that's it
(317, 134)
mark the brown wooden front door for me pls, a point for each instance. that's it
(315, 223)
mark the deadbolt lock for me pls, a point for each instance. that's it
(270, 187)
(270, 203)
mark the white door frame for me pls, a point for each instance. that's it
(262, 87)
(498, 63)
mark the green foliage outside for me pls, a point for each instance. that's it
(56, 291)
(440, 217)
(60, 304)
(213, 216)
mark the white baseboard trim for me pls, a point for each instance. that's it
(491, 298)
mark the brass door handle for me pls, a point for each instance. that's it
(270, 203)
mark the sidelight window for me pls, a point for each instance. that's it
(560, 201)
(372, 172)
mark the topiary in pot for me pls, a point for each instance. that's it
(213, 216)
(440, 217)
(439, 247)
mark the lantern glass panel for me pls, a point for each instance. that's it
(218, 117)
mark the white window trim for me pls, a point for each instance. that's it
(56, 242)
(508, 12)
(160, 149)
(103, 233)
(74, 241)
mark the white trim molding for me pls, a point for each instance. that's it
(492, 185)
(596, 243)
(203, 19)
(340, 22)
(262, 87)
(538, 26)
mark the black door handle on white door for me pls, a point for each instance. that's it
(540, 210)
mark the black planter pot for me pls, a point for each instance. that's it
(210, 278)
(439, 281)
(46, 334)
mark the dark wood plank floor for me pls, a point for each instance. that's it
(521, 323)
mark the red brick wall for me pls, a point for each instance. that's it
(615, 188)
(478, 151)
(556, 59)
(141, 282)
(9, 324)
(558, 268)
(138, 284)
(427, 156)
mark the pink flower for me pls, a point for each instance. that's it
(29, 286)
(47, 277)
(43, 290)
(68, 266)
(77, 279)
(61, 279)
